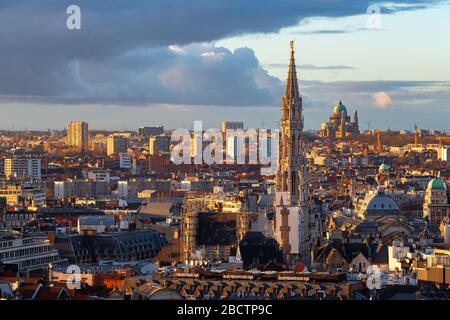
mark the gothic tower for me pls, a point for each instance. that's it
(291, 128)
(292, 211)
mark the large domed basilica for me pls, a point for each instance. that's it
(340, 124)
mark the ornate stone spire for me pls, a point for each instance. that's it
(291, 127)
(292, 91)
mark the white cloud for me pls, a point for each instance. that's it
(382, 100)
(176, 49)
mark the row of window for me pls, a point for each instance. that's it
(24, 252)
(6, 244)
(37, 262)
(24, 216)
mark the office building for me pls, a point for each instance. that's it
(28, 253)
(444, 153)
(159, 144)
(150, 131)
(125, 161)
(116, 144)
(231, 125)
(22, 169)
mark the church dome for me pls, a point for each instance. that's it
(339, 108)
(383, 168)
(379, 204)
(436, 183)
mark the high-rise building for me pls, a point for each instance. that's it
(159, 144)
(291, 200)
(150, 131)
(116, 144)
(22, 169)
(77, 135)
(231, 140)
(444, 154)
(125, 161)
(231, 125)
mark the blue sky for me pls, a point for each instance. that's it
(172, 62)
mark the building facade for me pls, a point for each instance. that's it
(116, 144)
(159, 144)
(22, 169)
(435, 207)
(77, 135)
(28, 253)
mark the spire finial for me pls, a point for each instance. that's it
(292, 45)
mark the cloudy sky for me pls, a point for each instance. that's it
(172, 62)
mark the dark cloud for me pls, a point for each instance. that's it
(198, 74)
(121, 56)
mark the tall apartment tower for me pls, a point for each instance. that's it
(158, 144)
(232, 125)
(116, 144)
(77, 135)
(292, 211)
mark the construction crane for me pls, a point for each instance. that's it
(368, 123)
(262, 124)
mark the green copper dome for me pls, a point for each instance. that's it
(384, 167)
(436, 183)
(339, 108)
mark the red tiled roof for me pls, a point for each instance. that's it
(27, 291)
(299, 267)
(49, 293)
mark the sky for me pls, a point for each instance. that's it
(173, 62)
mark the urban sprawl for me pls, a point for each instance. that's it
(347, 213)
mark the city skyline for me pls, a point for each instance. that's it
(299, 195)
(238, 68)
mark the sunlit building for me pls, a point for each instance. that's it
(116, 144)
(340, 124)
(435, 207)
(77, 135)
(22, 169)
